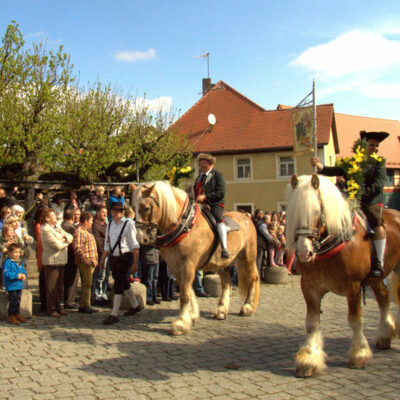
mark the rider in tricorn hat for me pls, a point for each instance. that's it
(209, 188)
(372, 194)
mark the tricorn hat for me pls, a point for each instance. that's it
(208, 157)
(379, 136)
(117, 206)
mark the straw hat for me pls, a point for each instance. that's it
(208, 157)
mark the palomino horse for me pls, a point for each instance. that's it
(160, 206)
(316, 208)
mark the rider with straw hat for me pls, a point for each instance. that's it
(372, 194)
(209, 188)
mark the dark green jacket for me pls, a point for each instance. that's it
(214, 187)
(374, 181)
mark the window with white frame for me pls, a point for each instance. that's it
(286, 166)
(243, 168)
(244, 207)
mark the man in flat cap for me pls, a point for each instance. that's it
(122, 247)
(372, 195)
(209, 188)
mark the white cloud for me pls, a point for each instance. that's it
(134, 55)
(353, 52)
(162, 104)
(366, 87)
(381, 90)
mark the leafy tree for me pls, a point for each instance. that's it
(151, 146)
(48, 123)
(33, 83)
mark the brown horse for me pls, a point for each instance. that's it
(316, 206)
(160, 206)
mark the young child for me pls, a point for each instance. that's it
(7, 237)
(281, 249)
(272, 250)
(14, 274)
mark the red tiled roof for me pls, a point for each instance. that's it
(349, 127)
(242, 125)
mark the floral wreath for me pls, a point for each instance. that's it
(355, 166)
(178, 173)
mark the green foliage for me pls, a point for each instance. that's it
(33, 83)
(355, 167)
(48, 123)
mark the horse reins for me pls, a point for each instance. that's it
(152, 226)
(330, 242)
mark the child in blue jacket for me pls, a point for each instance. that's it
(14, 274)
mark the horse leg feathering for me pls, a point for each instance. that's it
(184, 321)
(310, 358)
(221, 312)
(386, 331)
(360, 352)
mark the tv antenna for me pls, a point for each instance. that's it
(206, 55)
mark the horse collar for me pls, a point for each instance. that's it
(184, 225)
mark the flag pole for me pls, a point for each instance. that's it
(315, 124)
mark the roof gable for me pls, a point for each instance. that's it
(243, 125)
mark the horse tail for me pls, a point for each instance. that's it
(248, 278)
(395, 286)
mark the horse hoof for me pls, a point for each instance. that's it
(357, 364)
(383, 344)
(305, 372)
(178, 329)
(220, 316)
(246, 311)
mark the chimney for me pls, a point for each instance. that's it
(207, 85)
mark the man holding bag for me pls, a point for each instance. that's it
(122, 247)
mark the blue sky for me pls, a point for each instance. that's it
(270, 51)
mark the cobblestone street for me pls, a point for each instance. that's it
(240, 358)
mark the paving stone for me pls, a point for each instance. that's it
(78, 357)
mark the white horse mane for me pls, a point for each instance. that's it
(167, 200)
(304, 208)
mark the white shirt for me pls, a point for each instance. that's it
(128, 240)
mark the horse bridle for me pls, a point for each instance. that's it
(149, 226)
(314, 233)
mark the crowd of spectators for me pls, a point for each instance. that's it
(69, 236)
(271, 241)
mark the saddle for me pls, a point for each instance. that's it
(231, 225)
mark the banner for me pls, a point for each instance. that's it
(303, 130)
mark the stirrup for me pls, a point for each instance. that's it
(377, 270)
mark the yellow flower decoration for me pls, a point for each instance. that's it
(376, 157)
(354, 169)
(358, 157)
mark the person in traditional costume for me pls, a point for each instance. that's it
(371, 202)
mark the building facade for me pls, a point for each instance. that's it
(254, 146)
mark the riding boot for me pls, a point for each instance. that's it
(223, 239)
(271, 253)
(377, 267)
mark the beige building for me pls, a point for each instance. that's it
(253, 146)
